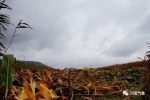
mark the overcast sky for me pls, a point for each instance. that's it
(78, 33)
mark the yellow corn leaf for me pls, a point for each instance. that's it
(53, 94)
(28, 92)
(18, 98)
(45, 91)
(60, 82)
(33, 85)
(20, 92)
(85, 68)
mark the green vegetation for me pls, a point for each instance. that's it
(7, 73)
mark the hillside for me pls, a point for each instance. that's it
(30, 64)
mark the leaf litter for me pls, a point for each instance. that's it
(52, 84)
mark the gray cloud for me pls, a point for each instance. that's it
(133, 41)
(143, 28)
(79, 33)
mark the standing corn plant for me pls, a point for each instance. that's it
(7, 73)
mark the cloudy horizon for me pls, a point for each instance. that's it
(79, 33)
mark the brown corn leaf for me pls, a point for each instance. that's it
(89, 84)
(63, 98)
(11, 93)
(118, 92)
(43, 77)
(106, 89)
(48, 74)
(39, 96)
(115, 81)
(16, 93)
(87, 90)
(13, 88)
(127, 98)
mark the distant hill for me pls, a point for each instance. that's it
(136, 64)
(35, 63)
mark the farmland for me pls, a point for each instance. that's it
(103, 83)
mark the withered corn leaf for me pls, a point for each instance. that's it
(44, 91)
(28, 91)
